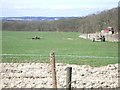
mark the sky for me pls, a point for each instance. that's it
(54, 8)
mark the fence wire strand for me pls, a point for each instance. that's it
(45, 58)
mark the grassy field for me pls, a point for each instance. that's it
(68, 48)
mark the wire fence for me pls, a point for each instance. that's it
(73, 59)
(34, 73)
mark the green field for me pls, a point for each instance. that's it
(68, 48)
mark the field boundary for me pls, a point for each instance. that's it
(57, 55)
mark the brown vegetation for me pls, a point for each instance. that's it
(88, 24)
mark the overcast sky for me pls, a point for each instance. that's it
(52, 8)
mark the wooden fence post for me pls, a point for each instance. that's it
(68, 78)
(52, 62)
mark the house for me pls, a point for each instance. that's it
(108, 30)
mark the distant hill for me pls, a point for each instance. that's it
(99, 21)
(87, 24)
(31, 18)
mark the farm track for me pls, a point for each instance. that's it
(38, 75)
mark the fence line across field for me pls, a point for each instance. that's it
(56, 55)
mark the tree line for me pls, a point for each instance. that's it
(87, 24)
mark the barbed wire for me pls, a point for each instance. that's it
(58, 55)
(45, 58)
